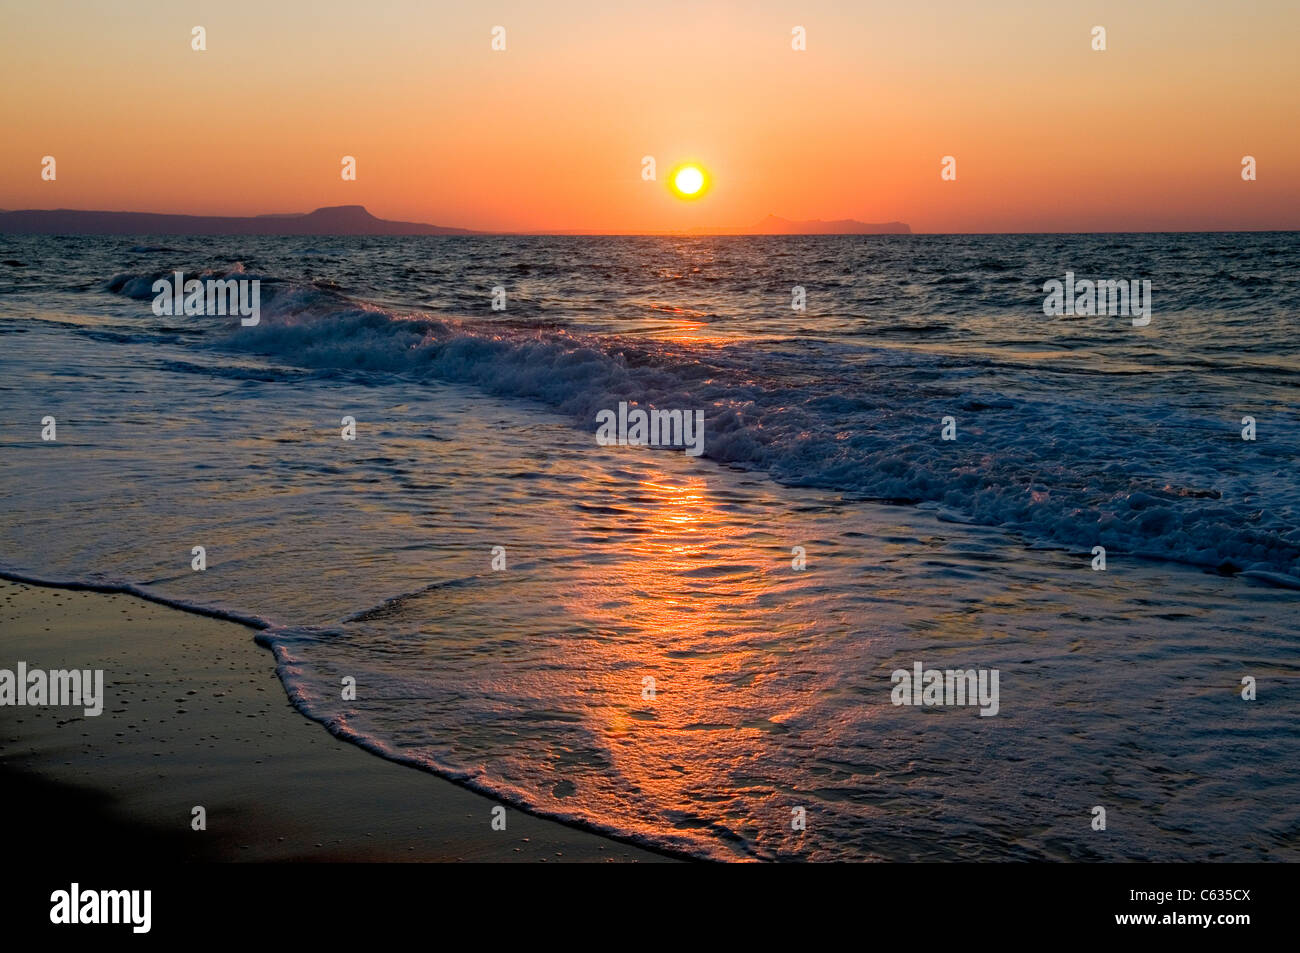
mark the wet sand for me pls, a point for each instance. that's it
(195, 716)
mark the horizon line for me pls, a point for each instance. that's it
(710, 231)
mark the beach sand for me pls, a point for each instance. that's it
(194, 715)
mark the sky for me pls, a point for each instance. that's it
(550, 133)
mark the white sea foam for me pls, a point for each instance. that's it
(371, 558)
(1077, 469)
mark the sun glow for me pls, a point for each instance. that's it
(689, 181)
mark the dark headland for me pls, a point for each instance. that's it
(349, 220)
(338, 220)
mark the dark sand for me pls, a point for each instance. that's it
(194, 715)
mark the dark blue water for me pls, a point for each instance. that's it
(372, 558)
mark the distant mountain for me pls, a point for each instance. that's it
(336, 220)
(775, 225)
(348, 220)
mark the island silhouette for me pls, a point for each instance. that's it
(351, 220)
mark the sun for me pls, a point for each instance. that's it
(689, 181)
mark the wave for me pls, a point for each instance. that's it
(299, 690)
(1077, 469)
(278, 641)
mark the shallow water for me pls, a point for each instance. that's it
(372, 559)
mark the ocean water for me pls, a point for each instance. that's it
(372, 559)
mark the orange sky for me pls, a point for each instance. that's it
(549, 134)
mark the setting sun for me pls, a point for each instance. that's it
(685, 419)
(689, 181)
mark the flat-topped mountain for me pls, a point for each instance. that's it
(335, 220)
(348, 220)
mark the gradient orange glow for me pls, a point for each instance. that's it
(1048, 134)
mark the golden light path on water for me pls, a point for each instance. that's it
(772, 684)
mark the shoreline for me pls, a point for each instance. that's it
(195, 716)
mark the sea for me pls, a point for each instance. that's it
(396, 476)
